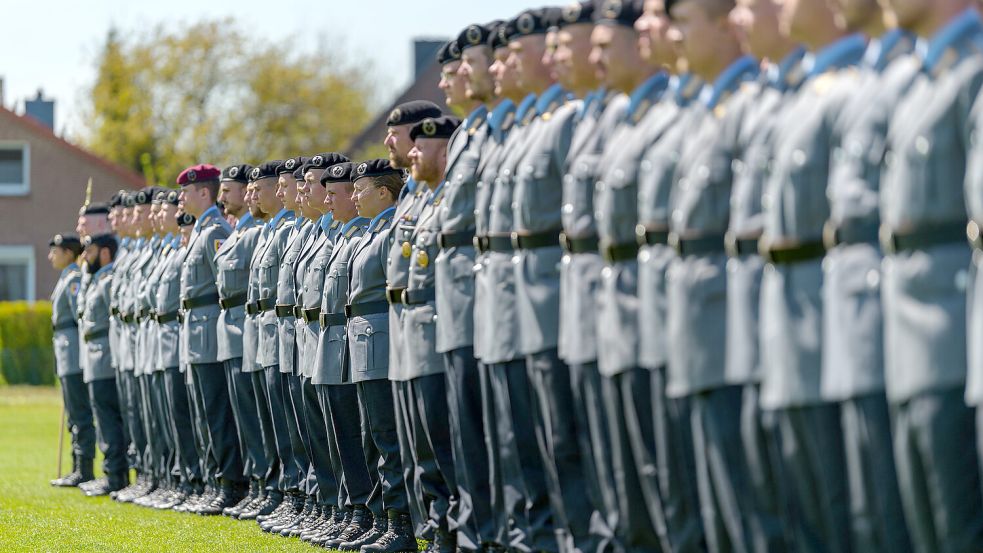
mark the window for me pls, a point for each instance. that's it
(16, 273)
(15, 163)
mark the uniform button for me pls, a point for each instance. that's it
(856, 148)
(873, 279)
(515, 260)
(644, 256)
(568, 208)
(606, 273)
(460, 176)
(922, 145)
(799, 157)
(514, 205)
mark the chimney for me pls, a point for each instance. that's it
(425, 54)
(42, 110)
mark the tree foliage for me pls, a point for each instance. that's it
(212, 93)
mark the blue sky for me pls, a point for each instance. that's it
(52, 44)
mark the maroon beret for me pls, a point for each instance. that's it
(203, 172)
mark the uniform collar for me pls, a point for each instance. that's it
(497, 116)
(105, 269)
(476, 117)
(388, 212)
(357, 221)
(590, 100)
(685, 88)
(882, 50)
(787, 73)
(244, 221)
(168, 239)
(436, 192)
(325, 222)
(207, 216)
(125, 243)
(549, 99)
(740, 70)
(299, 222)
(528, 103)
(283, 214)
(140, 242)
(840, 53)
(410, 185)
(176, 241)
(69, 269)
(962, 25)
(647, 93)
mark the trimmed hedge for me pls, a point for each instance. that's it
(26, 355)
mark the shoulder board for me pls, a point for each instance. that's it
(529, 116)
(352, 230)
(473, 127)
(508, 121)
(641, 110)
(335, 225)
(380, 223)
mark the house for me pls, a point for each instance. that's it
(43, 179)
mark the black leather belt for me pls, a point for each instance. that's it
(142, 314)
(266, 304)
(697, 245)
(332, 319)
(64, 325)
(199, 301)
(651, 235)
(308, 315)
(447, 240)
(180, 317)
(89, 336)
(500, 243)
(792, 253)
(252, 308)
(367, 308)
(233, 301)
(418, 297)
(740, 246)
(616, 253)
(114, 311)
(394, 295)
(127, 318)
(536, 240)
(165, 317)
(849, 232)
(284, 310)
(893, 241)
(587, 244)
(480, 243)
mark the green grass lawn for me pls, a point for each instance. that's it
(37, 517)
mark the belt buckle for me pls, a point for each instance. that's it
(404, 296)
(764, 250)
(440, 241)
(476, 241)
(730, 244)
(888, 239)
(516, 240)
(565, 243)
(641, 235)
(831, 235)
(676, 242)
(974, 234)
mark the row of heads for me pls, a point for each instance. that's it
(498, 34)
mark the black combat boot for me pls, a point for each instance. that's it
(397, 539)
(360, 523)
(265, 505)
(379, 527)
(247, 500)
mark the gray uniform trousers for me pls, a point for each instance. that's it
(212, 389)
(199, 427)
(129, 402)
(474, 520)
(275, 390)
(523, 475)
(556, 433)
(153, 447)
(356, 452)
(379, 423)
(76, 397)
(164, 461)
(293, 399)
(244, 411)
(767, 532)
(109, 422)
(321, 446)
(187, 462)
(496, 497)
(261, 394)
(935, 452)
(413, 460)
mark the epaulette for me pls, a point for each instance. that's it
(527, 118)
(335, 225)
(508, 121)
(478, 121)
(379, 224)
(351, 231)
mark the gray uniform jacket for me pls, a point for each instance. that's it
(580, 270)
(853, 338)
(420, 320)
(536, 204)
(500, 317)
(268, 271)
(232, 280)
(751, 171)
(332, 362)
(923, 290)
(368, 335)
(145, 348)
(124, 304)
(499, 121)
(95, 327)
(167, 303)
(250, 326)
(455, 265)
(80, 311)
(147, 302)
(699, 202)
(795, 210)
(286, 292)
(123, 257)
(198, 270)
(310, 282)
(616, 205)
(398, 269)
(65, 331)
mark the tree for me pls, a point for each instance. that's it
(209, 92)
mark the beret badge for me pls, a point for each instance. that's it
(290, 164)
(192, 175)
(362, 168)
(317, 161)
(473, 35)
(571, 13)
(172, 196)
(395, 115)
(429, 127)
(233, 172)
(58, 240)
(525, 24)
(454, 50)
(142, 197)
(337, 171)
(256, 173)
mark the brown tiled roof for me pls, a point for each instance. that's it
(39, 129)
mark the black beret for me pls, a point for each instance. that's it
(325, 160)
(236, 173)
(117, 199)
(374, 168)
(67, 241)
(101, 240)
(440, 127)
(291, 164)
(145, 196)
(618, 12)
(185, 219)
(298, 173)
(473, 35)
(340, 172)
(171, 197)
(129, 200)
(578, 12)
(551, 17)
(496, 35)
(411, 112)
(529, 22)
(449, 52)
(264, 170)
(95, 209)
